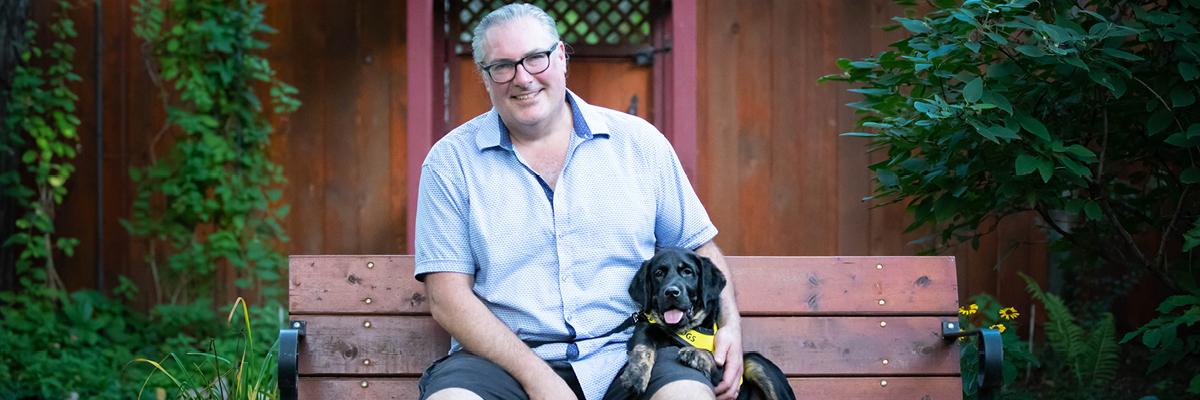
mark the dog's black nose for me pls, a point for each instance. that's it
(672, 291)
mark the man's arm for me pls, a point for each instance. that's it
(455, 307)
(728, 339)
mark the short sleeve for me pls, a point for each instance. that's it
(681, 219)
(442, 241)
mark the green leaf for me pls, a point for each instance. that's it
(1182, 96)
(1124, 55)
(1082, 153)
(1026, 164)
(887, 178)
(1000, 40)
(999, 100)
(926, 108)
(1188, 71)
(1104, 79)
(1190, 175)
(997, 132)
(859, 134)
(1032, 51)
(914, 26)
(1158, 121)
(1075, 168)
(974, 90)
(1002, 69)
(1031, 124)
(1173, 302)
(1046, 170)
(864, 65)
(1092, 210)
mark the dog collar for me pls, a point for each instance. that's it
(699, 338)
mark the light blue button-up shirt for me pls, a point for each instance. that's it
(555, 265)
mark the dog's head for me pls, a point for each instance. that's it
(679, 288)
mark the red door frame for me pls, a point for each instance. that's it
(675, 90)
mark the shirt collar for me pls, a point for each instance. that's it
(587, 125)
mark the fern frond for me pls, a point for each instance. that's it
(1064, 336)
(1103, 355)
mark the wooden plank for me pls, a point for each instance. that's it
(853, 176)
(845, 285)
(853, 346)
(931, 388)
(811, 286)
(342, 284)
(326, 388)
(923, 388)
(370, 345)
(753, 100)
(801, 346)
(719, 129)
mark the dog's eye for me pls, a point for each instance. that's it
(685, 271)
(659, 273)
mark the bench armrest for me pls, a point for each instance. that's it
(991, 355)
(289, 363)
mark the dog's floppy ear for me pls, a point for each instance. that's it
(712, 282)
(639, 287)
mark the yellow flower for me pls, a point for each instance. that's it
(999, 327)
(968, 310)
(1009, 313)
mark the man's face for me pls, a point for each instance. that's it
(529, 99)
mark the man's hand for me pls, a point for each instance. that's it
(728, 352)
(549, 387)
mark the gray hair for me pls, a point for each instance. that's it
(506, 14)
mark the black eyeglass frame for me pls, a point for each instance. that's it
(488, 68)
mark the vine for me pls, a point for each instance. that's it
(40, 130)
(213, 198)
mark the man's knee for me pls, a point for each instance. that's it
(684, 390)
(454, 394)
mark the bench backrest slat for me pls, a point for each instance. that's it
(780, 285)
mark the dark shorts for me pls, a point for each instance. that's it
(468, 371)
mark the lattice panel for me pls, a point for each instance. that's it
(581, 23)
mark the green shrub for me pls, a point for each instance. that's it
(1172, 338)
(51, 348)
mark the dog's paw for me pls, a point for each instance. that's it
(636, 375)
(698, 358)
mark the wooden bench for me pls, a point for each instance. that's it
(839, 327)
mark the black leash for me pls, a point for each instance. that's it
(628, 323)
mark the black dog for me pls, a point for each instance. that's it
(679, 292)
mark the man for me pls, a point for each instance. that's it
(531, 221)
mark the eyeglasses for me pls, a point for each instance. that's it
(506, 71)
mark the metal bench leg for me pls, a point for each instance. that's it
(289, 364)
(991, 355)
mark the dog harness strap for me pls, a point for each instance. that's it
(628, 323)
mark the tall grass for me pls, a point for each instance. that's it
(211, 375)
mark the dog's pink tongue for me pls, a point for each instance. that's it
(673, 316)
